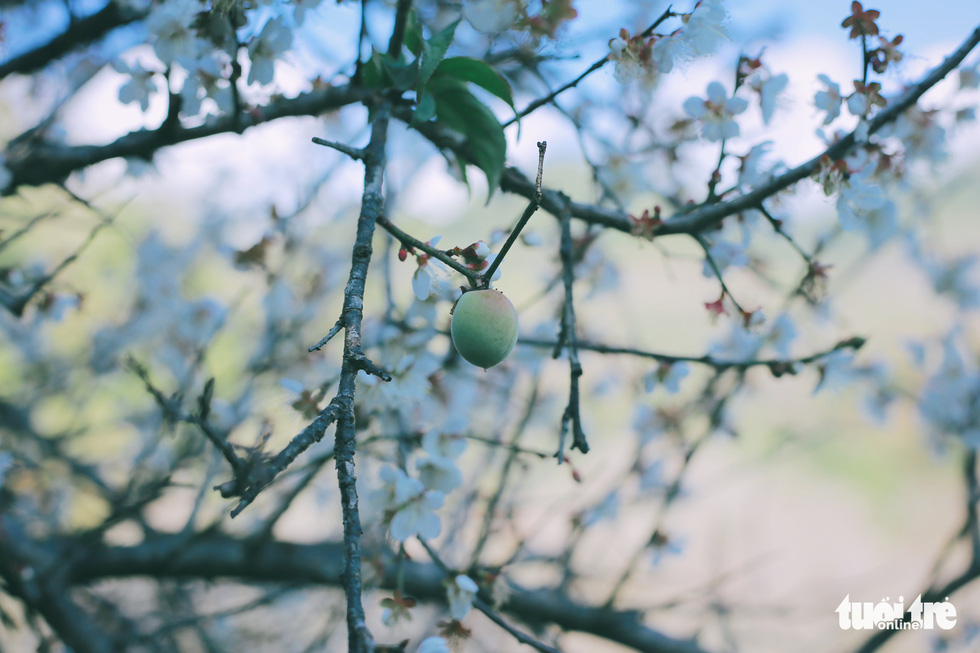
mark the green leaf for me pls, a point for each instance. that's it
(425, 109)
(413, 34)
(477, 72)
(433, 52)
(403, 75)
(486, 147)
(373, 72)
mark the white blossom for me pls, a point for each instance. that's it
(857, 104)
(422, 283)
(292, 386)
(439, 473)
(434, 645)
(413, 506)
(608, 509)
(769, 91)
(828, 100)
(970, 76)
(274, 39)
(856, 199)
(668, 375)
(949, 398)
(738, 345)
(716, 113)
(782, 334)
(652, 476)
(140, 85)
(648, 423)
(725, 254)
(704, 30)
(460, 594)
(170, 28)
(862, 207)
(532, 239)
(481, 250)
(303, 6)
(438, 443)
(491, 16)
(207, 81)
(921, 134)
(837, 371)
(954, 279)
(751, 172)
(668, 51)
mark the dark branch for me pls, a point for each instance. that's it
(568, 340)
(49, 162)
(79, 32)
(218, 556)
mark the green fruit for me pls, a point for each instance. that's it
(484, 327)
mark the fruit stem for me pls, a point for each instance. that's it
(528, 212)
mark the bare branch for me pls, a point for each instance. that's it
(568, 340)
(528, 212)
(216, 556)
(46, 162)
(352, 152)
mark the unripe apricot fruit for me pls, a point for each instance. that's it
(484, 327)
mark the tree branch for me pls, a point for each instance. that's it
(217, 556)
(704, 216)
(46, 162)
(80, 32)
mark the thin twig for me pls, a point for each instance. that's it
(408, 240)
(485, 608)
(501, 484)
(599, 63)
(528, 212)
(714, 267)
(353, 152)
(708, 360)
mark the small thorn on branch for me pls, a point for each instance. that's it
(353, 152)
(327, 338)
(362, 362)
